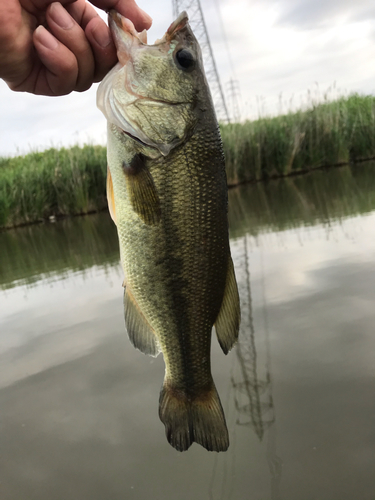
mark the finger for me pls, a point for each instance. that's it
(69, 33)
(60, 71)
(127, 8)
(82, 12)
(102, 45)
(99, 36)
(37, 6)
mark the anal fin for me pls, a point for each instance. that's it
(140, 333)
(227, 323)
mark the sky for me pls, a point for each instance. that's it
(283, 53)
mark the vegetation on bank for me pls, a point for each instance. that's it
(327, 134)
(72, 181)
(52, 183)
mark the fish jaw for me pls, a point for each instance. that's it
(114, 109)
(125, 36)
(177, 25)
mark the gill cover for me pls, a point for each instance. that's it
(149, 95)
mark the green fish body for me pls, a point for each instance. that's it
(167, 193)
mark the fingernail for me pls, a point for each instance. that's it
(61, 16)
(45, 38)
(102, 35)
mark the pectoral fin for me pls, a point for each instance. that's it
(110, 196)
(140, 333)
(142, 191)
(228, 320)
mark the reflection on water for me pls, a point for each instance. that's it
(321, 197)
(253, 397)
(32, 253)
(79, 404)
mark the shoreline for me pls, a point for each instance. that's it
(71, 181)
(52, 219)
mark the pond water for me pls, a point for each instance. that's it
(79, 405)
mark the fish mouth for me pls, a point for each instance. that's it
(120, 24)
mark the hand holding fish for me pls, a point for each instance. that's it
(52, 48)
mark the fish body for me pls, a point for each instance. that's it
(167, 193)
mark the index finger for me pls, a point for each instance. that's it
(127, 8)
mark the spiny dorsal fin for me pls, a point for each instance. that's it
(228, 320)
(140, 332)
(110, 196)
(141, 189)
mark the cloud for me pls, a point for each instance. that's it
(312, 14)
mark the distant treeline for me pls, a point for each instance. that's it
(71, 181)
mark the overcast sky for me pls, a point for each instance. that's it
(279, 50)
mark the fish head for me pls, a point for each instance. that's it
(154, 93)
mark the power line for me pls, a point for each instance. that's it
(224, 34)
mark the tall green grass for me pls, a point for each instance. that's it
(329, 133)
(55, 182)
(72, 181)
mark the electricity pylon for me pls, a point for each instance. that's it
(198, 25)
(233, 90)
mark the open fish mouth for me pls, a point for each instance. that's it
(120, 24)
(124, 34)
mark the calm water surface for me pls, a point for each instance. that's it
(79, 405)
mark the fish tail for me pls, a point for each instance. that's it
(188, 419)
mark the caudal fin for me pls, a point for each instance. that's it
(188, 419)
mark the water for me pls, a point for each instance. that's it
(79, 404)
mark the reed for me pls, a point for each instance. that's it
(52, 183)
(71, 181)
(326, 134)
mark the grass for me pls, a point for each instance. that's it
(72, 181)
(56, 182)
(330, 133)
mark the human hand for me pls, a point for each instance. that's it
(75, 51)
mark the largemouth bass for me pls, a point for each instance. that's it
(167, 194)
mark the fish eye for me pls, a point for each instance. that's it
(185, 60)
